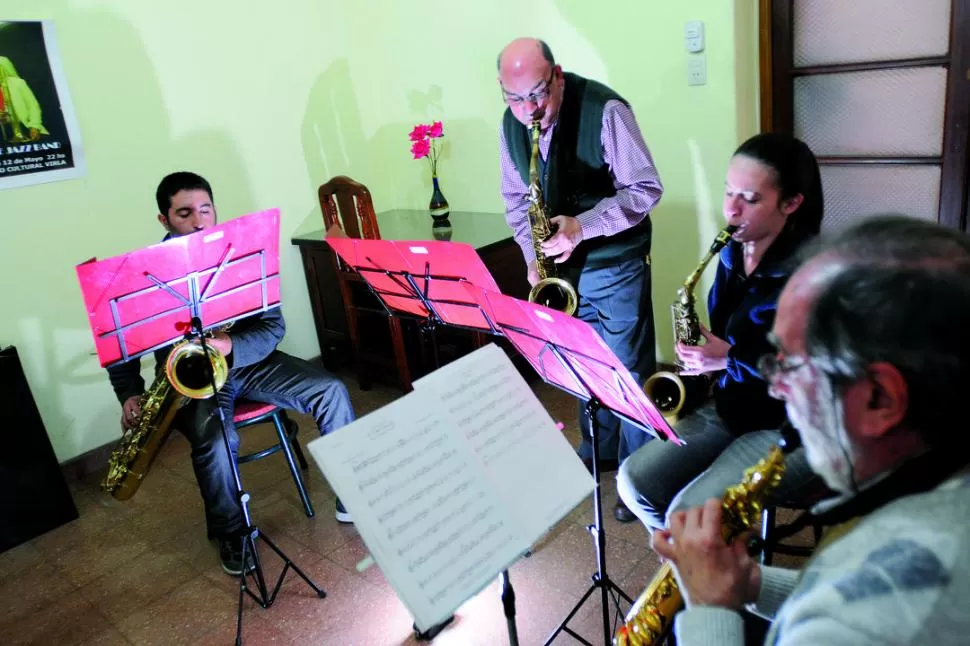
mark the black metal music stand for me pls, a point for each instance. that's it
(139, 299)
(404, 283)
(568, 354)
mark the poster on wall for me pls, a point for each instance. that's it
(39, 137)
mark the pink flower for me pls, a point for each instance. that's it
(420, 148)
(420, 132)
(424, 144)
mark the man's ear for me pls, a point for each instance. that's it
(887, 399)
(163, 220)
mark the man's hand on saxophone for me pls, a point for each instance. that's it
(130, 412)
(221, 342)
(709, 356)
(560, 245)
(709, 571)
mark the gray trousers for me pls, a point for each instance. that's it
(280, 379)
(662, 477)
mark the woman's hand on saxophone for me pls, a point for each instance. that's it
(710, 571)
(710, 356)
(560, 245)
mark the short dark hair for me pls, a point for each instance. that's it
(900, 293)
(179, 181)
(543, 47)
(796, 172)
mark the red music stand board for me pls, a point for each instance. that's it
(421, 279)
(146, 299)
(569, 354)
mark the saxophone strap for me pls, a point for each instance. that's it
(918, 475)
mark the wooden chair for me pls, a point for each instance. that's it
(347, 204)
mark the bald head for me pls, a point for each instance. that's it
(524, 52)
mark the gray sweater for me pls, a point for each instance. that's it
(901, 575)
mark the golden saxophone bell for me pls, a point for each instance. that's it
(667, 390)
(191, 371)
(555, 293)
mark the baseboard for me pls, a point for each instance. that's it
(94, 461)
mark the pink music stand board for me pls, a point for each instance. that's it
(147, 299)
(568, 353)
(422, 279)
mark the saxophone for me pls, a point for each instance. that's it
(672, 393)
(185, 376)
(551, 290)
(651, 617)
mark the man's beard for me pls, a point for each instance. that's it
(825, 438)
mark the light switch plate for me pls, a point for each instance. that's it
(697, 70)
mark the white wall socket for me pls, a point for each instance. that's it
(694, 36)
(697, 70)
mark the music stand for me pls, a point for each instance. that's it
(182, 288)
(569, 354)
(424, 280)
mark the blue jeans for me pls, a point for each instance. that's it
(280, 379)
(616, 301)
(662, 477)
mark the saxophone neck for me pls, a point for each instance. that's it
(691, 282)
(723, 237)
(534, 160)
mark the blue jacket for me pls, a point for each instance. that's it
(741, 310)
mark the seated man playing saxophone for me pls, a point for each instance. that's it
(872, 360)
(257, 371)
(773, 194)
(600, 185)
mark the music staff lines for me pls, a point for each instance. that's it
(472, 568)
(460, 553)
(416, 496)
(394, 448)
(420, 538)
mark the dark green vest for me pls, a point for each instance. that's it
(575, 177)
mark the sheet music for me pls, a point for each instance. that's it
(422, 504)
(527, 459)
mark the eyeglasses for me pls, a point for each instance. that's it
(772, 365)
(533, 97)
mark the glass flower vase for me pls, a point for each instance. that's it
(438, 208)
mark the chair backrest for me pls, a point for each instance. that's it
(348, 204)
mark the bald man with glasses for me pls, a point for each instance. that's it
(600, 185)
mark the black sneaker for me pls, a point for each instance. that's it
(230, 551)
(343, 516)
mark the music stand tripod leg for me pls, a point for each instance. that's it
(250, 531)
(508, 603)
(601, 579)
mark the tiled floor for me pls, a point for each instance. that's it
(142, 571)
